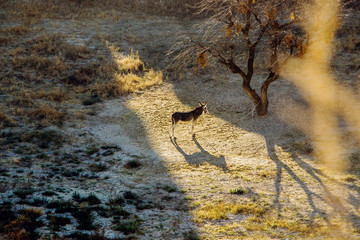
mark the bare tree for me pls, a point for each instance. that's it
(237, 25)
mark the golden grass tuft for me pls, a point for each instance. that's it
(132, 83)
(130, 63)
(212, 212)
(221, 210)
(249, 208)
(128, 83)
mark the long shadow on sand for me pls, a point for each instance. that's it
(266, 126)
(199, 158)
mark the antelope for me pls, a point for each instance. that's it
(188, 116)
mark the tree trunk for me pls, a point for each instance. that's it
(261, 102)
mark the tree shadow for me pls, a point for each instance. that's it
(199, 158)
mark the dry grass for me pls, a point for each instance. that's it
(23, 227)
(23, 98)
(55, 95)
(44, 65)
(275, 225)
(16, 30)
(47, 115)
(128, 83)
(6, 121)
(32, 11)
(130, 63)
(133, 83)
(217, 211)
(4, 41)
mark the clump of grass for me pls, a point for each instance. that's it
(76, 196)
(116, 201)
(81, 77)
(16, 30)
(4, 41)
(130, 83)
(271, 225)
(6, 121)
(127, 226)
(92, 150)
(249, 208)
(6, 215)
(47, 114)
(100, 167)
(61, 206)
(47, 66)
(56, 222)
(130, 195)
(118, 211)
(213, 212)
(38, 202)
(56, 95)
(170, 189)
(47, 44)
(85, 219)
(132, 164)
(238, 191)
(23, 99)
(191, 235)
(44, 138)
(92, 199)
(70, 173)
(221, 210)
(24, 226)
(52, 44)
(129, 63)
(91, 100)
(49, 193)
(23, 192)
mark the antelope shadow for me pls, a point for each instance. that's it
(199, 158)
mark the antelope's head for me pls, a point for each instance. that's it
(203, 105)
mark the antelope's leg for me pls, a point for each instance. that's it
(173, 128)
(192, 126)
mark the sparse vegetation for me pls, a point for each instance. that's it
(56, 222)
(98, 167)
(127, 226)
(132, 164)
(24, 226)
(23, 192)
(85, 219)
(238, 191)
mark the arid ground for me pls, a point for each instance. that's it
(85, 112)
